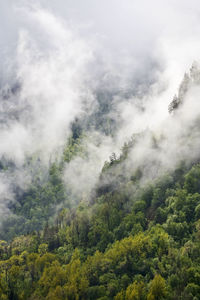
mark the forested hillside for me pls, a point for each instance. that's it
(134, 235)
(121, 245)
(99, 161)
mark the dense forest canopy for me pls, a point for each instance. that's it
(99, 150)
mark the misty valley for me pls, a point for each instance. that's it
(99, 150)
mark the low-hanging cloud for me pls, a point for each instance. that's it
(55, 59)
(51, 88)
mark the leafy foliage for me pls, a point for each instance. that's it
(118, 246)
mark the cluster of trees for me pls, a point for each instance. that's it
(126, 243)
(190, 80)
(36, 205)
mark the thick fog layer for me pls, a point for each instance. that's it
(57, 56)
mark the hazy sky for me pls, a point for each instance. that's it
(126, 31)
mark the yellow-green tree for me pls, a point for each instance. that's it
(157, 289)
(135, 291)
